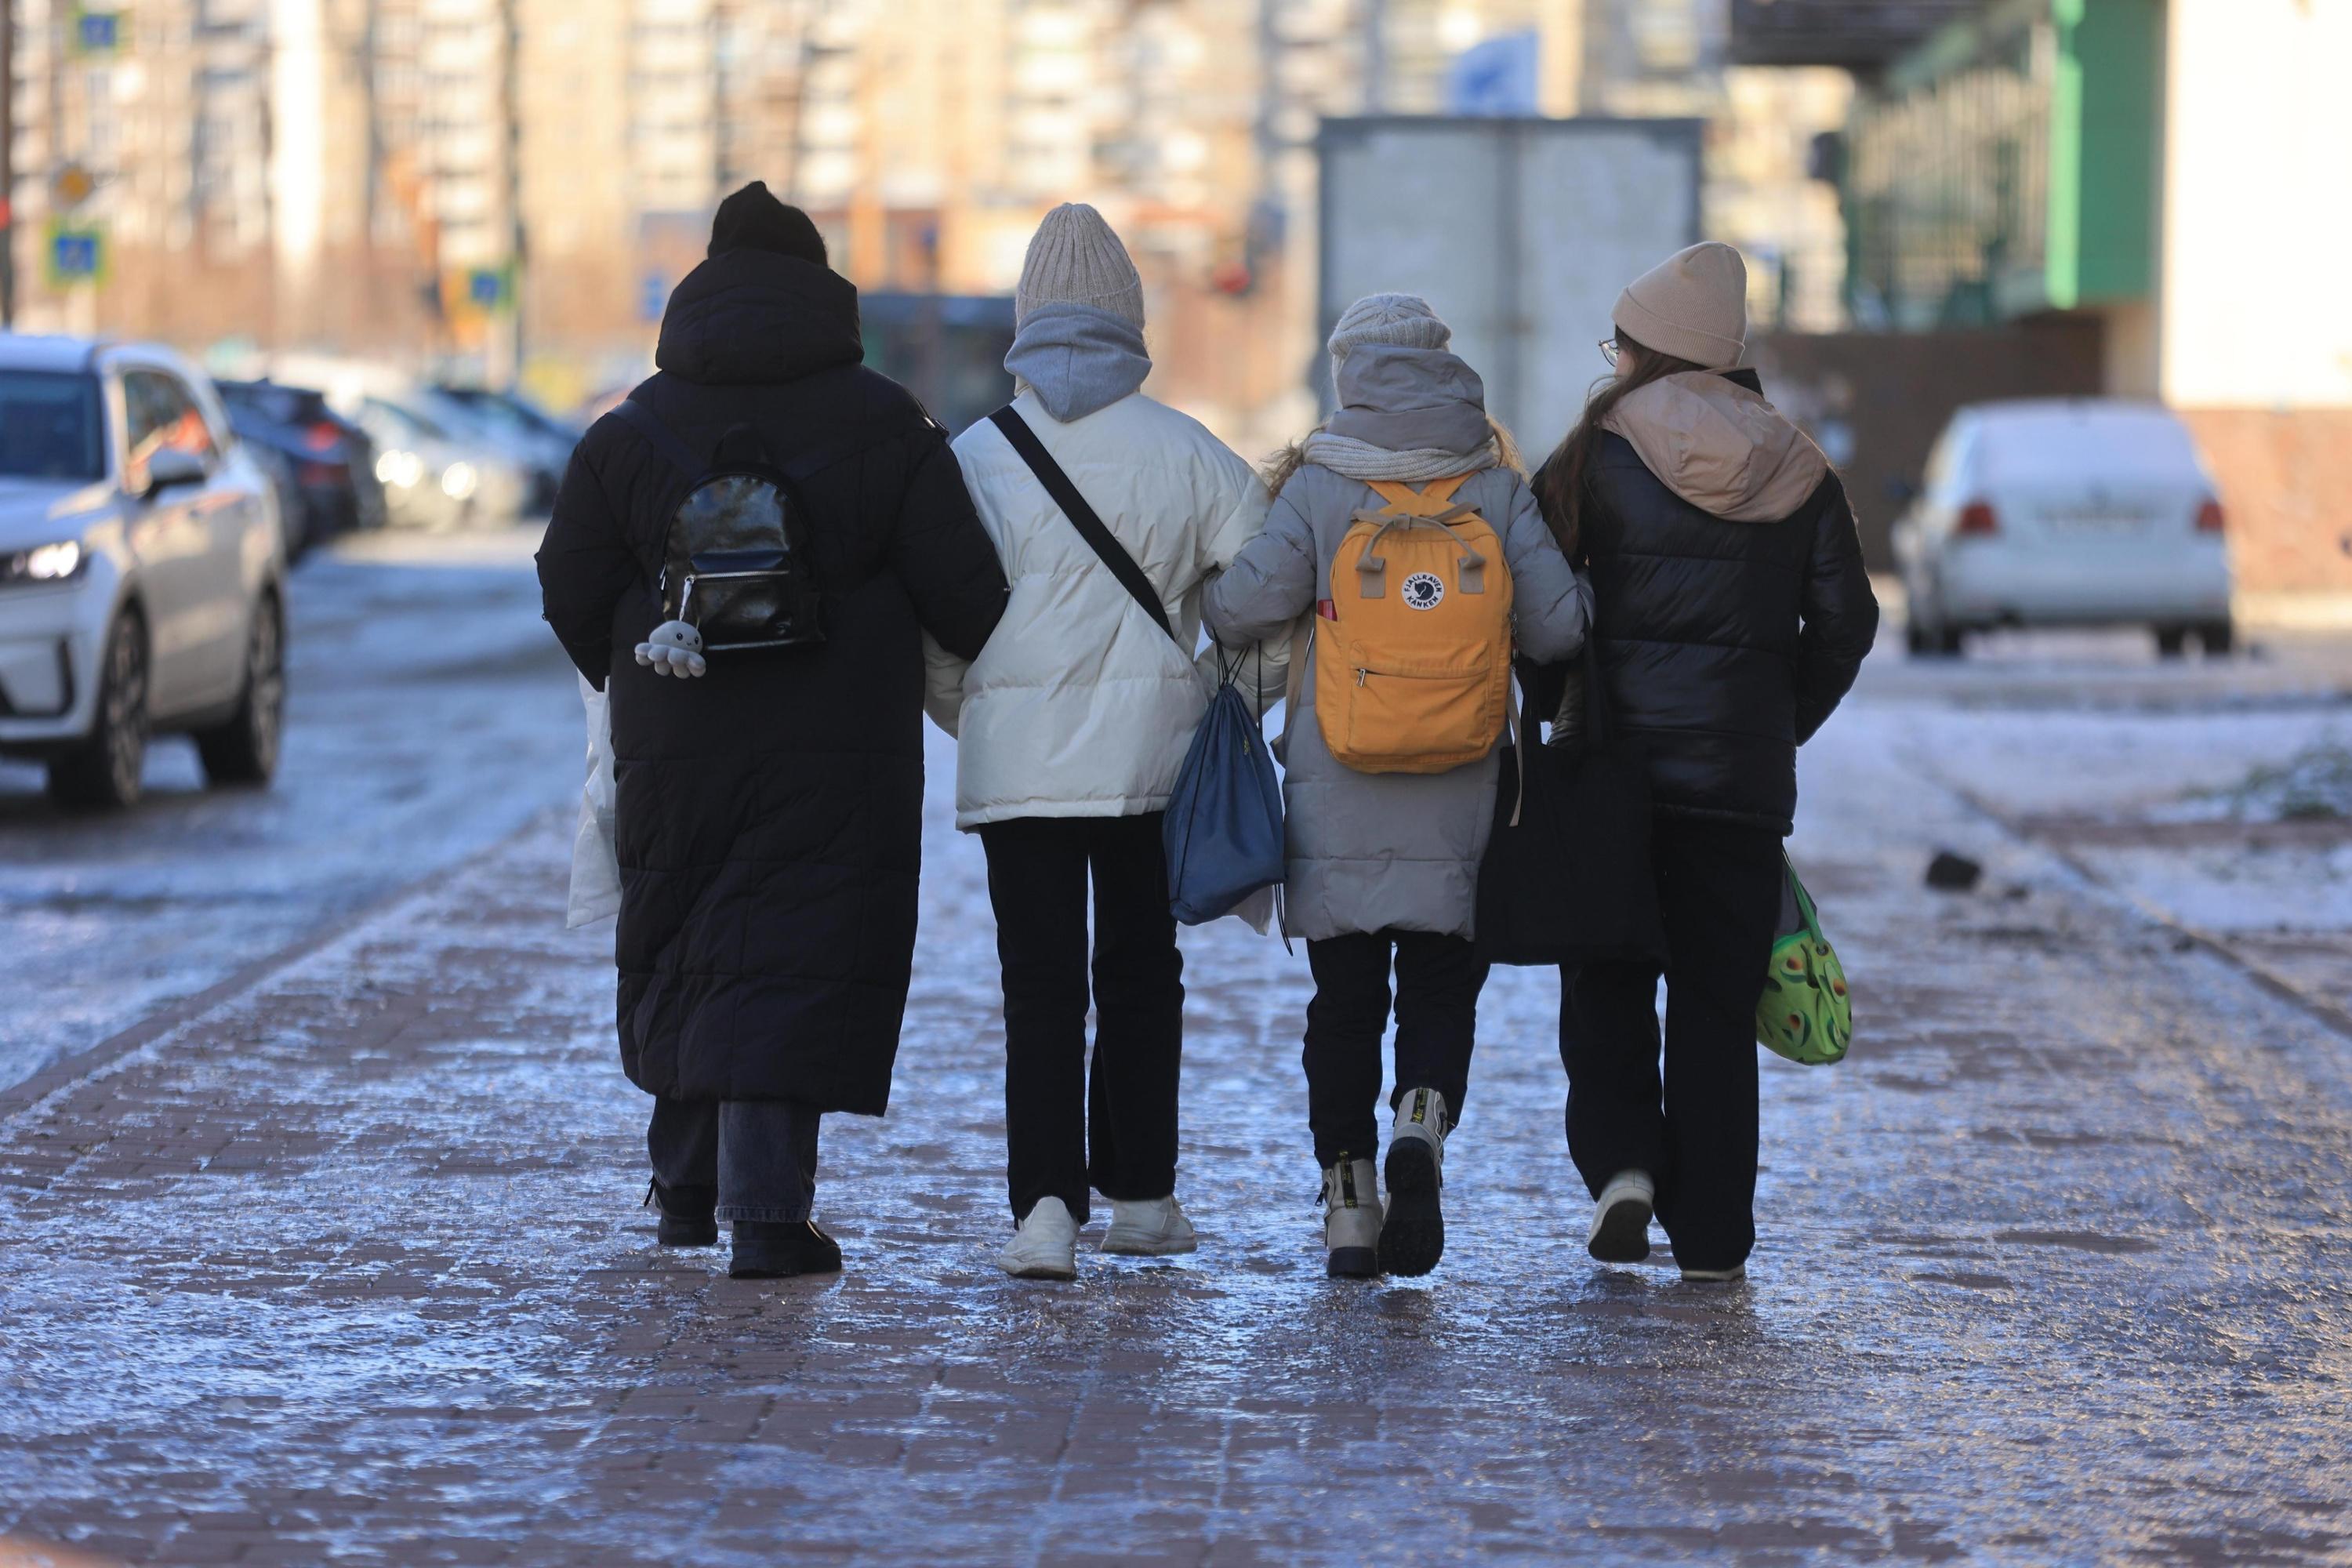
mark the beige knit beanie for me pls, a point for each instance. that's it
(1693, 305)
(1401, 320)
(1076, 258)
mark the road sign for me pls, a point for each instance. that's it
(653, 296)
(74, 253)
(98, 32)
(72, 185)
(490, 287)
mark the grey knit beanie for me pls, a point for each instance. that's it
(1401, 320)
(1076, 258)
(1693, 305)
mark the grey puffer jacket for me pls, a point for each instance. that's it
(1371, 852)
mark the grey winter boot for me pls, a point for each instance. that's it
(1351, 1218)
(1414, 1239)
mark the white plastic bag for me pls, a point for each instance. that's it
(595, 866)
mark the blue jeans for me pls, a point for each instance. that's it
(759, 1154)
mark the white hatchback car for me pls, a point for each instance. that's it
(2073, 512)
(142, 571)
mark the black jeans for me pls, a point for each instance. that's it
(1117, 1134)
(1438, 979)
(1693, 1130)
(761, 1154)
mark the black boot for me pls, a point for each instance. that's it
(688, 1214)
(772, 1250)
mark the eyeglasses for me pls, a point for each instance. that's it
(1609, 351)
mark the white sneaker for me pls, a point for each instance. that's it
(1149, 1227)
(1735, 1275)
(1620, 1218)
(1045, 1246)
(1351, 1219)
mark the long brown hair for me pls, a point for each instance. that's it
(1563, 485)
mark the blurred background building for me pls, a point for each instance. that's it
(1941, 199)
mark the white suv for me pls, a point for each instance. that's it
(142, 571)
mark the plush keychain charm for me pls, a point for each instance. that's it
(674, 648)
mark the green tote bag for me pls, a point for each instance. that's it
(1804, 1013)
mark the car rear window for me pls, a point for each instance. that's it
(49, 426)
(2065, 443)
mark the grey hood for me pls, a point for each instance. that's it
(1077, 359)
(1409, 400)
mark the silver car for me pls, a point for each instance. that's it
(142, 571)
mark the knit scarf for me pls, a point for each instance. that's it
(1355, 459)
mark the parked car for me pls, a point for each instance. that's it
(2066, 513)
(536, 460)
(142, 571)
(329, 461)
(550, 438)
(434, 476)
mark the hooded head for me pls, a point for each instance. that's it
(1075, 259)
(754, 219)
(1692, 306)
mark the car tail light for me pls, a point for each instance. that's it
(319, 474)
(322, 436)
(1978, 518)
(2209, 516)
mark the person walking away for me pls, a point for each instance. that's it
(1072, 726)
(1382, 866)
(1733, 614)
(767, 818)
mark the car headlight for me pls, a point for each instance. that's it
(400, 470)
(459, 480)
(43, 563)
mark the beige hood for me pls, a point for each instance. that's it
(1720, 446)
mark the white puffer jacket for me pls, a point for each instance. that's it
(1080, 706)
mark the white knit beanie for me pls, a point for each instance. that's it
(1076, 258)
(1401, 320)
(1693, 305)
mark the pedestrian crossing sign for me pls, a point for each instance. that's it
(97, 33)
(74, 253)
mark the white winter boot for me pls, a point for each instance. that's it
(1620, 1218)
(1413, 1238)
(1149, 1227)
(1351, 1219)
(1046, 1245)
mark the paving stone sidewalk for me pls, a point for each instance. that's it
(350, 1271)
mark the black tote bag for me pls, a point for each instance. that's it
(1567, 876)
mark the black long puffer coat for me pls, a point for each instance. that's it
(769, 819)
(1725, 644)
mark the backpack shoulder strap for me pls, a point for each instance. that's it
(1430, 501)
(1082, 517)
(660, 436)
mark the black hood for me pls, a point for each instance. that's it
(754, 318)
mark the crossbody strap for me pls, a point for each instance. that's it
(1082, 517)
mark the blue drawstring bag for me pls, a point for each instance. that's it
(1223, 827)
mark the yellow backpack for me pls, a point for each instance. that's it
(1412, 649)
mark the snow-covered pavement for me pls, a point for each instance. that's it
(346, 1266)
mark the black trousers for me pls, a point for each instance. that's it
(761, 1154)
(1694, 1128)
(1438, 979)
(1117, 1134)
